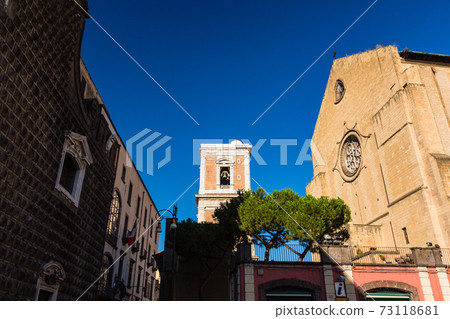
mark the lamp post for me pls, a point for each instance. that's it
(173, 227)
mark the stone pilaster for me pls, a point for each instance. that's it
(444, 282)
(425, 283)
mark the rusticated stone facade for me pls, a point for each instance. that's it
(382, 144)
(51, 236)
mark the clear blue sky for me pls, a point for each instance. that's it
(225, 62)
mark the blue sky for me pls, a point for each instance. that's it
(225, 62)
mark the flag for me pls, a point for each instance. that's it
(132, 235)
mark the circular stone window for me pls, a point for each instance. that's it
(339, 91)
(351, 156)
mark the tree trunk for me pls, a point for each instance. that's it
(266, 255)
(305, 251)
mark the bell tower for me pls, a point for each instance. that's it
(224, 170)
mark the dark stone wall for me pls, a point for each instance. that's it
(40, 99)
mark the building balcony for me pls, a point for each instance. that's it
(135, 247)
(111, 239)
(358, 255)
(143, 254)
(151, 263)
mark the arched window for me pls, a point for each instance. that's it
(224, 176)
(113, 220)
(387, 294)
(383, 290)
(105, 282)
(50, 276)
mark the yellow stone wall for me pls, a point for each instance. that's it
(399, 108)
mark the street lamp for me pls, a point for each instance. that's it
(173, 227)
(174, 219)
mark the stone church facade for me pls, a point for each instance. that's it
(57, 156)
(382, 144)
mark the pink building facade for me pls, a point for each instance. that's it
(347, 277)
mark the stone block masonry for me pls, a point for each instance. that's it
(40, 101)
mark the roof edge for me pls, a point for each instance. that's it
(425, 57)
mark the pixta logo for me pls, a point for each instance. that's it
(303, 155)
(145, 144)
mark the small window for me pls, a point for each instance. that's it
(405, 234)
(124, 173)
(138, 206)
(125, 230)
(69, 174)
(45, 295)
(130, 193)
(224, 176)
(83, 86)
(138, 284)
(76, 156)
(149, 256)
(145, 218)
(151, 228)
(146, 284)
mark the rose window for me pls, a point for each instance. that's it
(351, 155)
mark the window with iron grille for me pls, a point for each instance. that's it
(112, 230)
(138, 206)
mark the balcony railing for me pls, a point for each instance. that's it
(445, 255)
(357, 255)
(151, 263)
(143, 254)
(135, 247)
(285, 254)
(384, 255)
(111, 239)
